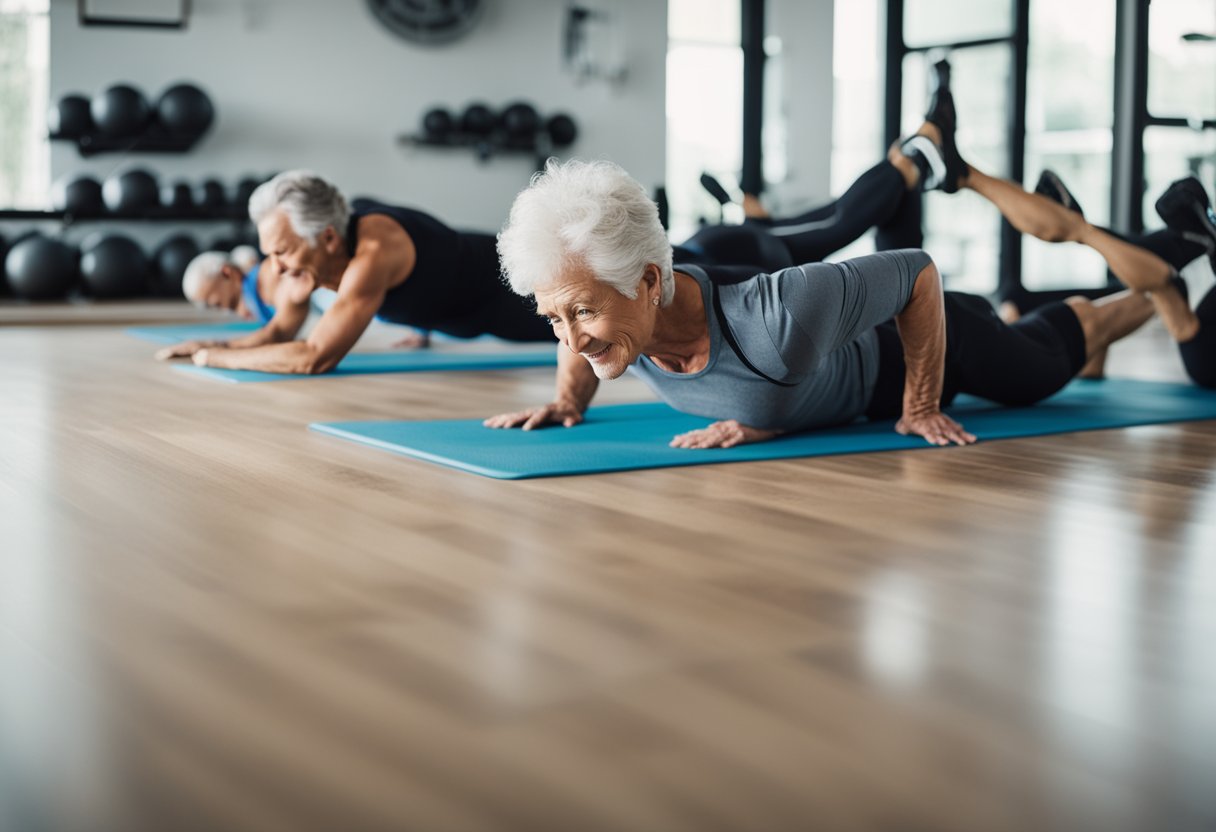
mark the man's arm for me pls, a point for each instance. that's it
(384, 251)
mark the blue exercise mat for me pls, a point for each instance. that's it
(412, 361)
(634, 436)
(177, 333)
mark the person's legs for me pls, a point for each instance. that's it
(1199, 351)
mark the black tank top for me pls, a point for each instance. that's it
(455, 277)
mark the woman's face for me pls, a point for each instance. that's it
(596, 321)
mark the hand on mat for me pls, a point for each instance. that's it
(418, 340)
(936, 427)
(183, 350)
(562, 413)
(726, 434)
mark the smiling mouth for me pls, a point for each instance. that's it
(596, 356)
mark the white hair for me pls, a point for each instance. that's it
(203, 269)
(310, 203)
(244, 258)
(589, 212)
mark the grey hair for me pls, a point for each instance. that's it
(203, 269)
(310, 203)
(593, 212)
(244, 258)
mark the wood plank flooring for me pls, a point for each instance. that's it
(213, 619)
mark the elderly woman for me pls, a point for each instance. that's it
(805, 347)
(384, 261)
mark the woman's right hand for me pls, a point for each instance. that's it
(566, 414)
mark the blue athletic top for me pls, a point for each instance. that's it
(253, 301)
(456, 286)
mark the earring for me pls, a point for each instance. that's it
(655, 301)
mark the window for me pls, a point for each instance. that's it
(704, 106)
(1069, 129)
(856, 100)
(1181, 85)
(24, 149)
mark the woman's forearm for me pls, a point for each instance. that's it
(922, 329)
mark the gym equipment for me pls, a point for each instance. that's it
(477, 119)
(120, 110)
(400, 362)
(131, 192)
(185, 110)
(177, 333)
(179, 196)
(79, 196)
(70, 117)
(438, 124)
(211, 195)
(562, 130)
(520, 121)
(114, 266)
(40, 268)
(169, 262)
(634, 436)
(244, 190)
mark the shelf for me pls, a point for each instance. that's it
(152, 141)
(155, 215)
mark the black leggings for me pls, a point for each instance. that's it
(879, 199)
(1199, 353)
(1012, 364)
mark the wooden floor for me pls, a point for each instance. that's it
(213, 619)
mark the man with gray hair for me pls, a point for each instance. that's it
(384, 261)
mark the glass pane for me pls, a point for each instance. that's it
(962, 231)
(1181, 73)
(932, 22)
(704, 132)
(705, 21)
(1170, 153)
(1068, 129)
(857, 100)
(24, 149)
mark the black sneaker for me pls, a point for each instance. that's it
(941, 101)
(715, 189)
(1185, 208)
(1052, 186)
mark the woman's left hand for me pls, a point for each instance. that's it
(936, 427)
(726, 434)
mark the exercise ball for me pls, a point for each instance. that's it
(169, 263)
(211, 195)
(562, 130)
(131, 192)
(114, 266)
(3, 253)
(78, 195)
(244, 189)
(477, 119)
(520, 120)
(437, 124)
(40, 268)
(185, 110)
(69, 117)
(120, 110)
(179, 197)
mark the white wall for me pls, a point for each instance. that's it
(319, 84)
